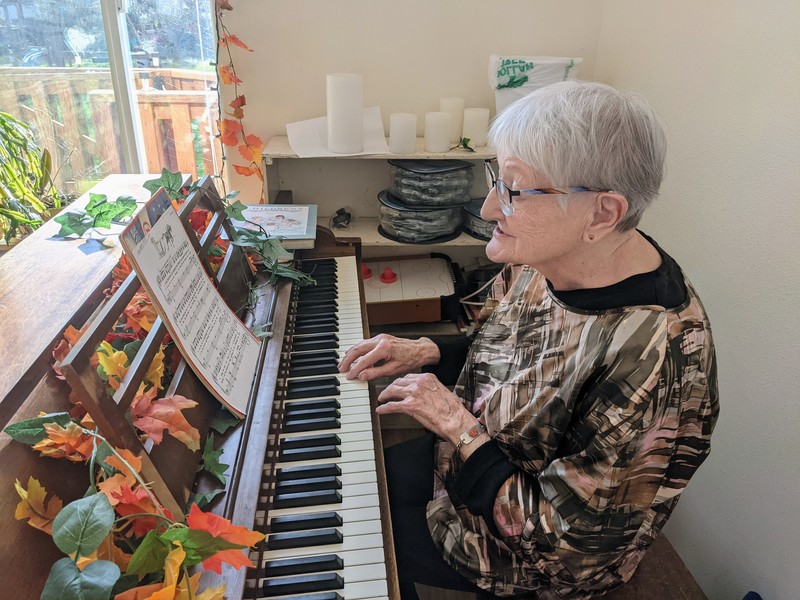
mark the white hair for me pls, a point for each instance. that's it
(587, 134)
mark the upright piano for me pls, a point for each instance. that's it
(305, 464)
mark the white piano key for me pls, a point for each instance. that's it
(348, 503)
(357, 590)
(352, 542)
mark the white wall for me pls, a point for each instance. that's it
(724, 77)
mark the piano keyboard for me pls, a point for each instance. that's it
(320, 509)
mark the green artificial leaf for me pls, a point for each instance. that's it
(131, 349)
(83, 524)
(71, 223)
(95, 201)
(271, 249)
(31, 431)
(171, 182)
(149, 556)
(232, 195)
(67, 582)
(223, 421)
(198, 545)
(260, 332)
(102, 451)
(235, 210)
(205, 498)
(247, 238)
(105, 212)
(210, 462)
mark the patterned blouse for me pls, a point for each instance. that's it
(598, 419)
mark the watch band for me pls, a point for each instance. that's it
(469, 435)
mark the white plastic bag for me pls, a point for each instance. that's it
(513, 77)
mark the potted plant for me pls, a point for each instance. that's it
(28, 194)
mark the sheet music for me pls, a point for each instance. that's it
(217, 345)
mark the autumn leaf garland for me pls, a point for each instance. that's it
(231, 130)
(119, 527)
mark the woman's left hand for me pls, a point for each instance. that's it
(423, 397)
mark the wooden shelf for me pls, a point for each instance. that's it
(366, 228)
(278, 147)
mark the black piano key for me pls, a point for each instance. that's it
(315, 498)
(304, 539)
(307, 471)
(319, 300)
(295, 454)
(309, 388)
(316, 319)
(324, 328)
(310, 484)
(307, 564)
(297, 414)
(312, 358)
(303, 425)
(316, 309)
(311, 370)
(329, 292)
(305, 522)
(310, 441)
(324, 403)
(321, 596)
(306, 345)
(317, 381)
(301, 584)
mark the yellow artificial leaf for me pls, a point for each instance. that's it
(40, 514)
(107, 550)
(113, 363)
(227, 75)
(155, 372)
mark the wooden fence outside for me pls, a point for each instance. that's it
(73, 114)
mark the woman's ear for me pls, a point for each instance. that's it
(609, 209)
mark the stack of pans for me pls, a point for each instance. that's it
(474, 224)
(424, 203)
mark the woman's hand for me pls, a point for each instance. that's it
(385, 355)
(423, 397)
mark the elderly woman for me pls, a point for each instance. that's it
(587, 399)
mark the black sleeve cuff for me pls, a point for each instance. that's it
(480, 478)
(453, 351)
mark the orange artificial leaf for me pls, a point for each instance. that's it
(229, 132)
(113, 363)
(154, 416)
(227, 75)
(229, 38)
(68, 442)
(252, 149)
(140, 313)
(134, 461)
(139, 593)
(216, 593)
(112, 487)
(237, 105)
(72, 335)
(87, 422)
(122, 270)
(107, 550)
(223, 528)
(40, 514)
(248, 171)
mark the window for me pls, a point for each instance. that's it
(58, 77)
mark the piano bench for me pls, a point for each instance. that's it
(661, 575)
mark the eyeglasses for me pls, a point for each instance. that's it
(505, 194)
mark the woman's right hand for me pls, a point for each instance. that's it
(385, 355)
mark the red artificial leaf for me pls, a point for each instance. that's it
(252, 149)
(140, 313)
(60, 353)
(237, 106)
(40, 514)
(229, 132)
(154, 416)
(68, 442)
(227, 75)
(129, 502)
(199, 219)
(223, 528)
(229, 38)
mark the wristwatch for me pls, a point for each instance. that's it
(469, 435)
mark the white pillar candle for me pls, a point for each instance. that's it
(403, 133)
(455, 107)
(437, 131)
(476, 125)
(345, 97)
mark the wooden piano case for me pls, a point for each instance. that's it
(73, 274)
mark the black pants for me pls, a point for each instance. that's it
(409, 473)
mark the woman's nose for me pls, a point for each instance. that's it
(491, 209)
